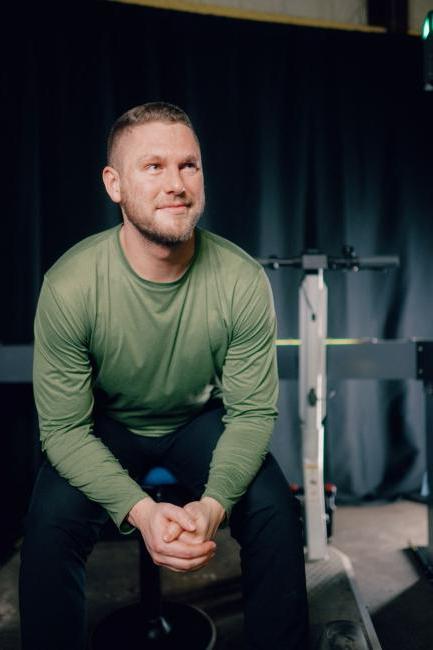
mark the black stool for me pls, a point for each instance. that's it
(153, 623)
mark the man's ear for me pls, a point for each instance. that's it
(112, 183)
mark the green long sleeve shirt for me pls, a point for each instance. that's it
(151, 355)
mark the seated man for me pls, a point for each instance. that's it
(154, 344)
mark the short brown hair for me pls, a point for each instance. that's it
(150, 112)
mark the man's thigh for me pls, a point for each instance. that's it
(57, 507)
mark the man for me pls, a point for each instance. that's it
(154, 344)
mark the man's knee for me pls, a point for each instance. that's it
(60, 518)
(269, 490)
(269, 503)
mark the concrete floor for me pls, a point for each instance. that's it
(396, 593)
(399, 599)
(374, 536)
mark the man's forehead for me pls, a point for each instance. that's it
(159, 136)
(156, 138)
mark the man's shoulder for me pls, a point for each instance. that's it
(78, 262)
(237, 280)
(227, 253)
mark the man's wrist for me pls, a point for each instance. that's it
(216, 508)
(138, 510)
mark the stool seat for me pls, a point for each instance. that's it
(158, 476)
(153, 623)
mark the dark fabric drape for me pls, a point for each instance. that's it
(310, 137)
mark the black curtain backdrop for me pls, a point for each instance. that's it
(310, 137)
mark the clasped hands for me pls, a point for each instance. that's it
(180, 539)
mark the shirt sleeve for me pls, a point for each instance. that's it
(250, 393)
(62, 381)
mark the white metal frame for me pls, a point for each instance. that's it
(313, 300)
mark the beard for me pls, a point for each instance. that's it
(153, 232)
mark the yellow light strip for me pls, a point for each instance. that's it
(345, 341)
(282, 342)
(244, 14)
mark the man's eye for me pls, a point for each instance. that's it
(190, 166)
(153, 167)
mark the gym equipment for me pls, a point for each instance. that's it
(330, 492)
(313, 306)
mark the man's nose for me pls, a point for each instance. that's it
(173, 180)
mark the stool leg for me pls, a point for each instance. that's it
(150, 605)
(150, 584)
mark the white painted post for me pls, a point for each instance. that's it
(312, 406)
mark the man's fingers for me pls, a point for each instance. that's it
(189, 551)
(178, 515)
(191, 538)
(173, 532)
(183, 565)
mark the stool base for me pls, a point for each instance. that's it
(179, 626)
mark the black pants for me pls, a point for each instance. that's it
(63, 526)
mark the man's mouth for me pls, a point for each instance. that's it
(174, 207)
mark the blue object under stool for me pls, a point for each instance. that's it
(153, 623)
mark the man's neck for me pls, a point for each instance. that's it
(155, 262)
